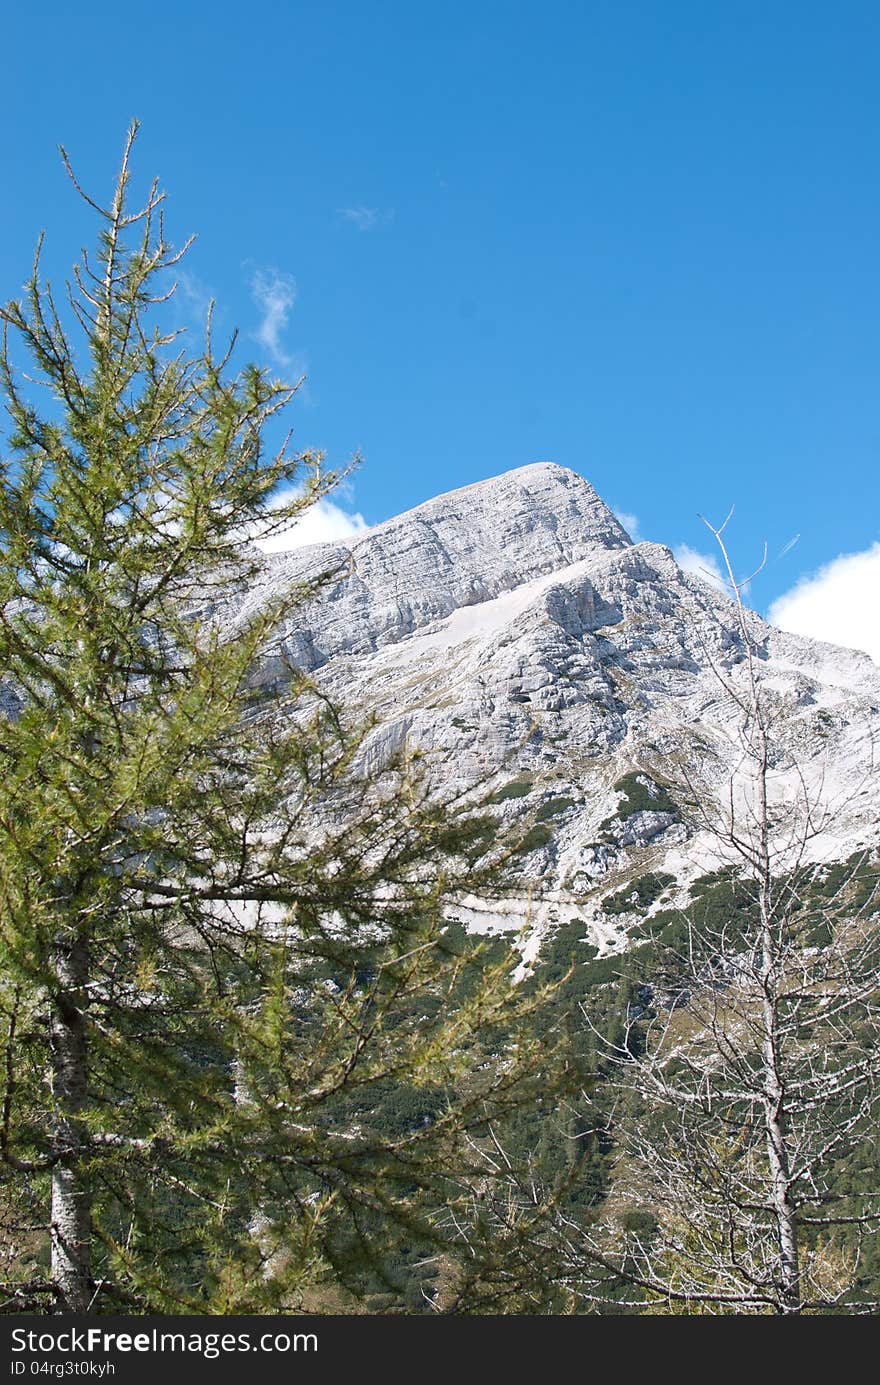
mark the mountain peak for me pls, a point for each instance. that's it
(463, 548)
(511, 628)
(542, 504)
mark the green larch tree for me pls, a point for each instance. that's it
(242, 1052)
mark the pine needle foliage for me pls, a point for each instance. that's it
(244, 1059)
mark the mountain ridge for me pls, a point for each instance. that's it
(512, 630)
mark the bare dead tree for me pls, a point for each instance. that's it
(748, 1099)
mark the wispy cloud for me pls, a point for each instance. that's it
(194, 294)
(840, 603)
(787, 548)
(630, 523)
(274, 293)
(703, 565)
(366, 218)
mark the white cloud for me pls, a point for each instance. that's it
(274, 294)
(366, 218)
(630, 524)
(322, 522)
(703, 565)
(840, 603)
(195, 294)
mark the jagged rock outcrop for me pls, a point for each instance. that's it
(512, 628)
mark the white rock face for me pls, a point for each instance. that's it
(512, 628)
(462, 549)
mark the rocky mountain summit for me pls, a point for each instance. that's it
(512, 629)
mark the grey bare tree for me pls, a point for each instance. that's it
(747, 1095)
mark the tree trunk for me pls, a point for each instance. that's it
(774, 1095)
(71, 1196)
(780, 1175)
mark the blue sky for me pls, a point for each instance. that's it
(637, 239)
